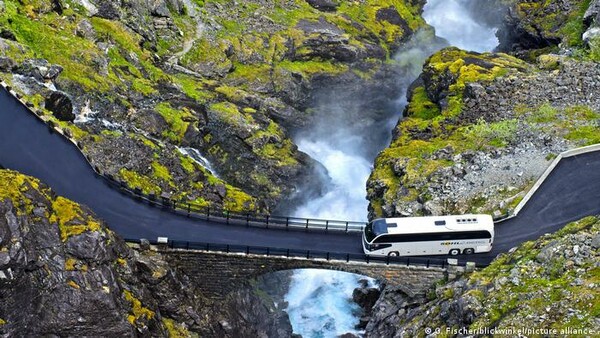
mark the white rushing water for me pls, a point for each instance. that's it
(453, 23)
(320, 302)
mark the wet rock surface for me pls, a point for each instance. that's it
(61, 106)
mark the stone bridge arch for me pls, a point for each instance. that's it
(218, 274)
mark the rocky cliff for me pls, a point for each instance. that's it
(480, 128)
(153, 89)
(63, 273)
(550, 284)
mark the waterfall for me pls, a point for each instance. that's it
(320, 301)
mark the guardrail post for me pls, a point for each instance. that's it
(267, 217)
(428, 263)
(188, 208)
(187, 245)
(307, 254)
(347, 258)
(367, 259)
(287, 254)
(346, 226)
(247, 249)
(326, 225)
(327, 255)
(227, 248)
(247, 219)
(408, 261)
(307, 224)
(287, 223)
(207, 213)
(268, 252)
(387, 260)
(227, 213)
(207, 247)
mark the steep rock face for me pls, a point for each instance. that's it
(64, 273)
(533, 27)
(479, 129)
(550, 283)
(228, 80)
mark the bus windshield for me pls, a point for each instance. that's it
(375, 228)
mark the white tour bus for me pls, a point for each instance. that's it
(432, 235)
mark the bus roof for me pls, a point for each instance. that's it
(427, 224)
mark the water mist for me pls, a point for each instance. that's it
(320, 303)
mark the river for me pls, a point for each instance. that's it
(320, 301)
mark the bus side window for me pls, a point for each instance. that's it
(382, 239)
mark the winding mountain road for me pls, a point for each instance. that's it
(571, 192)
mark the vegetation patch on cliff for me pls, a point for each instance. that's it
(550, 283)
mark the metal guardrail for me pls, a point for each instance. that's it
(267, 221)
(194, 210)
(341, 257)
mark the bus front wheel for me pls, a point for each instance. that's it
(394, 254)
(454, 252)
(468, 251)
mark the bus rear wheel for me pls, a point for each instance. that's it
(468, 251)
(454, 252)
(394, 254)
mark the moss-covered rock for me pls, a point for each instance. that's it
(532, 28)
(100, 286)
(225, 78)
(550, 283)
(435, 122)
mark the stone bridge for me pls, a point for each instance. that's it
(219, 273)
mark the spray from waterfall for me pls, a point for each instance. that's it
(346, 143)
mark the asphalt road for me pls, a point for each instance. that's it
(26, 144)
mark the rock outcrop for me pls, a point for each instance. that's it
(548, 283)
(63, 273)
(479, 129)
(231, 81)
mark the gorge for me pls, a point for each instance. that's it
(261, 107)
(320, 302)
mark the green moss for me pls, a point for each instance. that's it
(175, 330)
(497, 134)
(540, 285)
(230, 114)
(13, 186)
(312, 67)
(545, 113)
(138, 311)
(177, 120)
(187, 163)
(70, 219)
(365, 13)
(573, 29)
(421, 106)
(161, 172)
(237, 200)
(135, 180)
(587, 135)
(209, 53)
(2, 322)
(271, 143)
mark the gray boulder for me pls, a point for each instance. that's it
(61, 106)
